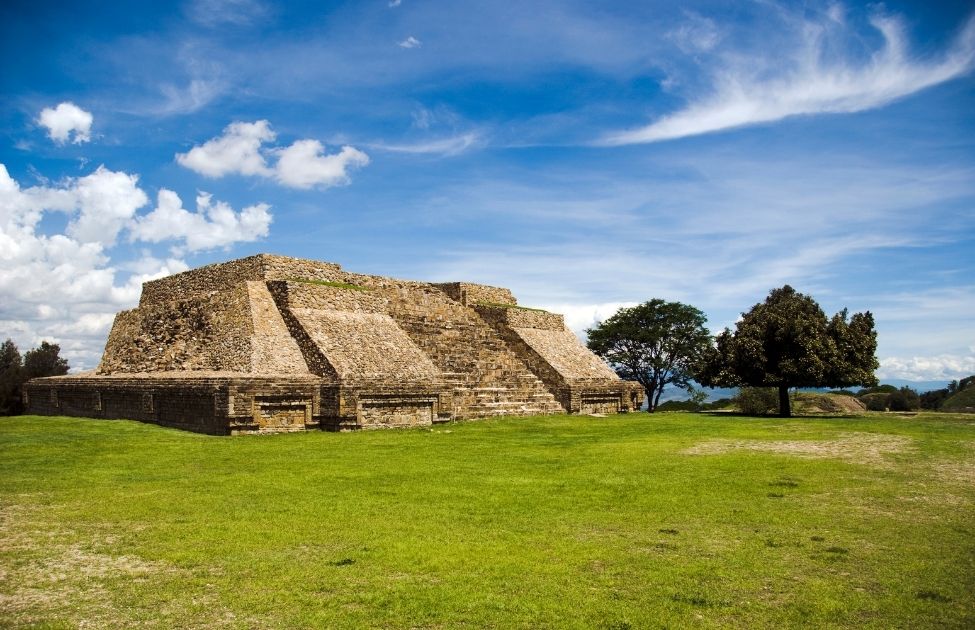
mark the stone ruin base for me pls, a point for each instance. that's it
(270, 343)
(228, 404)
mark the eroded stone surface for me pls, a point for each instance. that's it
(271, 343)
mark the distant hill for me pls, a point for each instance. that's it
(962, 401)
(675, 393)
(918, 386)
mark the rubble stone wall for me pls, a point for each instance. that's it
(206, 331)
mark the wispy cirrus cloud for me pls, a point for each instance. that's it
(810, 80)
(452, 145)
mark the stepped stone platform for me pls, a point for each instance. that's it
(271, 343)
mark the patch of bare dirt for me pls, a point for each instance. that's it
(863, 448)
(807, 403)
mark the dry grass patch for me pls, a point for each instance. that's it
(862, 448)
(958, 471)
(53, 577)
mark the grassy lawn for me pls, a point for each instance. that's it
(634, 521)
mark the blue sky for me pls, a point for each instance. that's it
(585, 154)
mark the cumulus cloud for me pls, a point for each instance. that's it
(944, 367)
(64, 286)
(303, 164)
(809, 80)
(579, 317)
(100, 204)
(214, 224)
(66, 121)
(238, 150)
(410, 42)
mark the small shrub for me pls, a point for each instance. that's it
(757, 401)
(878, 401)
(904, 399)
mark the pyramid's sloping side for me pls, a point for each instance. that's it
(561, 349)
(238, 329)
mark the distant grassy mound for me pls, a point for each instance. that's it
(811, 402)
(962, 401)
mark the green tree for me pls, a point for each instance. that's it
(786, 341)
(44, 361)
(11, 378)
(656, 343)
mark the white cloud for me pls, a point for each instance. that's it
(212, 225)
(238, 150)
(808, 81)
(58, 287)
(64, 120)
(106, 200)
(100, 204)
(303, 164)
(697, 34)
(579, 317)
(395, 3)
(185, 100)
(943, 367)
(65, 287)
(452, 145)
(410, 42)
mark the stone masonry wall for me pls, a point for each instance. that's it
(563, 351)
(468, 293)
(351, 330)
(206, 403)
(271, 343)
(219, 277)
(273, 349)
(517, 317)
(202, 332)
(223, 276)
(488, 378)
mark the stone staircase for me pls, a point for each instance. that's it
(488, 378)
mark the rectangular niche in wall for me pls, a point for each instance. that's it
(282, 413)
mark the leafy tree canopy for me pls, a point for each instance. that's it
(787, 341)
(655, 343)
(44, 361)
(16, 370)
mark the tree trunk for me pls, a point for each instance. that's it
(785, 408)
(649, 392)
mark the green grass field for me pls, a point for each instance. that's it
(634, 521)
